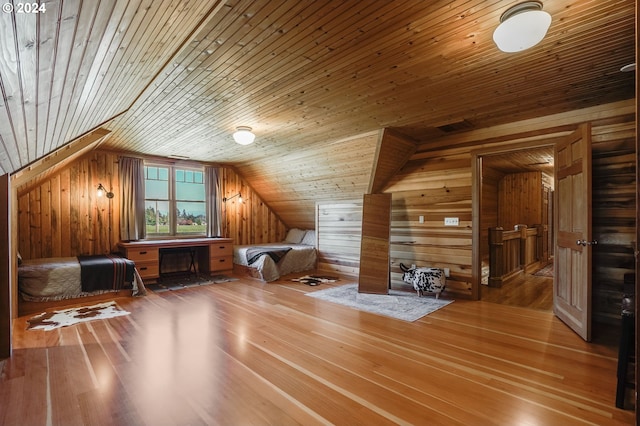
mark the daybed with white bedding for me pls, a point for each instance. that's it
(63, 278)
(268, 262)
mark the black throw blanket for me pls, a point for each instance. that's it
(276, 253)
(105, 272)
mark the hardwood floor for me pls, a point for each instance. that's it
(246, 352)
(526, 291)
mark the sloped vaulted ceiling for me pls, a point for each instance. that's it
(315, 79)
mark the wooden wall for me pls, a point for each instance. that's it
(433, 190)
(520, 199)
(444, 174)
(249, 222)
(339, 230)
(614, 212)
(437, 183)
(435, 187)
(61, 215)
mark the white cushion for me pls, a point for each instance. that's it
(309, 238)
(294, 236)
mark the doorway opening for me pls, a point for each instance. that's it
(516, 216)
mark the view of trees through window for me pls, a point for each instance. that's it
(174, 200)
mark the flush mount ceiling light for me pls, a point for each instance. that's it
(628, 67)
(521, 26)
(243, 135)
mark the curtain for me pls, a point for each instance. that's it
(132, 214)
(214, 210)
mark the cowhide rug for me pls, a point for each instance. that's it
(315, 279)
(63, 318)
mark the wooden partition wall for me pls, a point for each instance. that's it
(373, 276)
(515, 251)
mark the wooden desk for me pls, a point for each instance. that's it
(215, 255)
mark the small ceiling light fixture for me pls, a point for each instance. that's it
(521, 26)
(243, 135)
(103, 191)
(225, 199)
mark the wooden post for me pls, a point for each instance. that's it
(523, 245)
(6, 267)
(496, 256)
(540, 239)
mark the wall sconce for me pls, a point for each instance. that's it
(224, 200)
(522, 26)
(243, 135)
(103, 191)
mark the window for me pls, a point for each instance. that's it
(174, 200)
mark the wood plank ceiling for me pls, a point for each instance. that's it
(316, 80)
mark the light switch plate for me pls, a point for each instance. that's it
(451, 221)
(421, 219)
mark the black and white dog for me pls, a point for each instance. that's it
(430, 280)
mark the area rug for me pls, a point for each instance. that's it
(547, 271)
(66, 317)
(397, 304)
(179, 283)
(315, 279)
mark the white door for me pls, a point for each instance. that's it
(574, 242)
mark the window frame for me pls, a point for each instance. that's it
(173, 201)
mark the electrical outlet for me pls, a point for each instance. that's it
(451, 221)
(446, 272)
(421, 219)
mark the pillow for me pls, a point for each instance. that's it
(294, 236)
(309, 238)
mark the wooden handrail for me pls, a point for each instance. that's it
(515, 251)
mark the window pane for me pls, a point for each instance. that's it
(191, 217)
(188, 190)
(163, 173)
(157, 217)
(156, 183)
(151, 172)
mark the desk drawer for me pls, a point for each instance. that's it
(221, 249)
(222, 263)
(143, 254)
(148, 269)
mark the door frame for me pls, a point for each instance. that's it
(538, 141)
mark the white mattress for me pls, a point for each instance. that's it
(300, 258)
